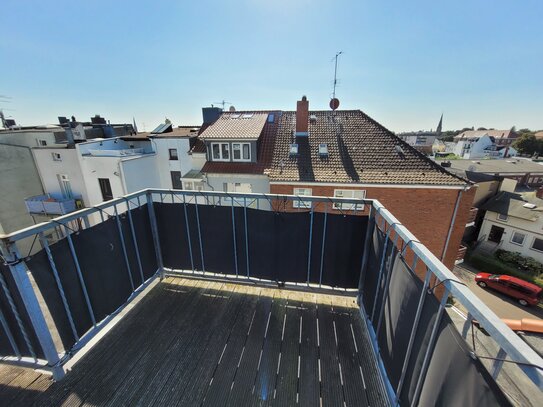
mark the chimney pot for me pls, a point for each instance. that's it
(302, 117)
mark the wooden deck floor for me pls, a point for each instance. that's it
(197, 342)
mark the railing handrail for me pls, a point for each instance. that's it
(41, 227)
(515, 347)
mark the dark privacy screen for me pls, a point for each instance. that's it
(103, 268)
(453, 378)
(265, 244)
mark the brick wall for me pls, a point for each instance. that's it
(426, 212)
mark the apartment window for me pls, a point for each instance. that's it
(537, 244)
(41, 143)
(173, 154)
(349, 193)
(65, 186)
(301, 192)
(518, 238)
(241, 151)
(176, 179)
(105, 188)
(502, 217)
(56, 157)
(220, 151)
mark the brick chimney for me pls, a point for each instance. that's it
(302, 117)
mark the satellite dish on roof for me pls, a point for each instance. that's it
(334, 103)
(232, 109)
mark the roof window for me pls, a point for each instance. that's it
(323, 150)
(293, 149)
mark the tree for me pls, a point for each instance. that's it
(528, 144)
(482, 128)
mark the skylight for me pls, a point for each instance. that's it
(323, 150)
(293, 149)
(235, 116)
(247, 116)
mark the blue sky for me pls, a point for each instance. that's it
(479, 62)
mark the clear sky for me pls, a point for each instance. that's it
(480, 62)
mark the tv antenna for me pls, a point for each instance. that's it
(334, 102)
(335, 73)
(222, 103)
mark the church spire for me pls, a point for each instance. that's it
(439, 126)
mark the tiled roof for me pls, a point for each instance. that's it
(236, 125)
(491, 133)
(266, 143)
(360, 150)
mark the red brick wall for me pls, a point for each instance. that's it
(426, 212)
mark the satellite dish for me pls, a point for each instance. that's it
(232, 109)
(472, 168)
(334, 103)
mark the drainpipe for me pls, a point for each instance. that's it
(451, 226)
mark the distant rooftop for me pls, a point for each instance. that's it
(498, 166)
(499, 134)
(516, 205)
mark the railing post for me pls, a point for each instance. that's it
(418, 313)
(123, 247)
(135, 241)
(246, 236)
(19, 271)
(154, 232)
(323, 241)
(310, 244)
(188, 232)
(47, 249)
(234, 235)
(80, 276)
(199, 234)
(430, 349)
(385, 246)
(367, 242)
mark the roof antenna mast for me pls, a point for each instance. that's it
(334, 103)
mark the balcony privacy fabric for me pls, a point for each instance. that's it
(103, 267)
(277, 242)
(453, 377)
(11, 321)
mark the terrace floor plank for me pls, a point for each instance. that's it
(200, 342)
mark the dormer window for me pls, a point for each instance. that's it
(241, 151)
(220, 151)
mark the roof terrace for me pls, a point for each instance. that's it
(203, 298)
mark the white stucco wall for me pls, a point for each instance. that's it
(164, 165)
(29, 138)
(69, 165)
(140, 173)
(259, 184)
(530, 229)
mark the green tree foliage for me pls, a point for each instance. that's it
(528, 144)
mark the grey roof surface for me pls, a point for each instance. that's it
(511, 204)
(499, 134)
(236, 126)
(360, 150)
(497, 166)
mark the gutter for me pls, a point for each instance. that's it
(453, 221)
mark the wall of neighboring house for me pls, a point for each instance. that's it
(51, 170)
(257, 184)
(485, 190)
(476, 148)
(165, 166)
(426, 212)
(31, 138)
(140, 173)
(94, 168)
(529, 229)
(19, 180)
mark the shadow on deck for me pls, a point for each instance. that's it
(197, 342)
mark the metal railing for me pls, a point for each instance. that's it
(509, 343)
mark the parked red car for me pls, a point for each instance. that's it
(525, 293)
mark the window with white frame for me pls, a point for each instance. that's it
(56, 157)
(351, 194)
(41, 143)
(518, 238)
(241, 151)
(220, 151)
(502, 217)
(301, 192)
(537, 244)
